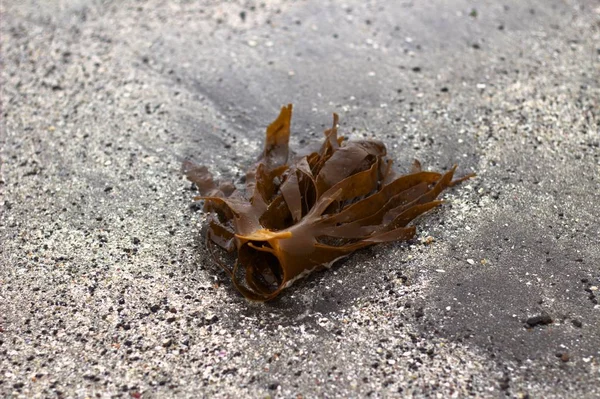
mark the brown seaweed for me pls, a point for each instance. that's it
(300, 216)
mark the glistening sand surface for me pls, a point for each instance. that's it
(106, 288)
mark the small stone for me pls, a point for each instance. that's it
(428, 240)
(577, 323)
(540, 320)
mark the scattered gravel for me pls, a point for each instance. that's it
(106, 289)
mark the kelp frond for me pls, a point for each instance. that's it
(299, 215)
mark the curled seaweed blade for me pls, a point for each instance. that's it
(278, 137)
(346, 161)
(382, 198)
(290, 190)
(201, 177)
(301, 215)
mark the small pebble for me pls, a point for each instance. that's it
(540, 320)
